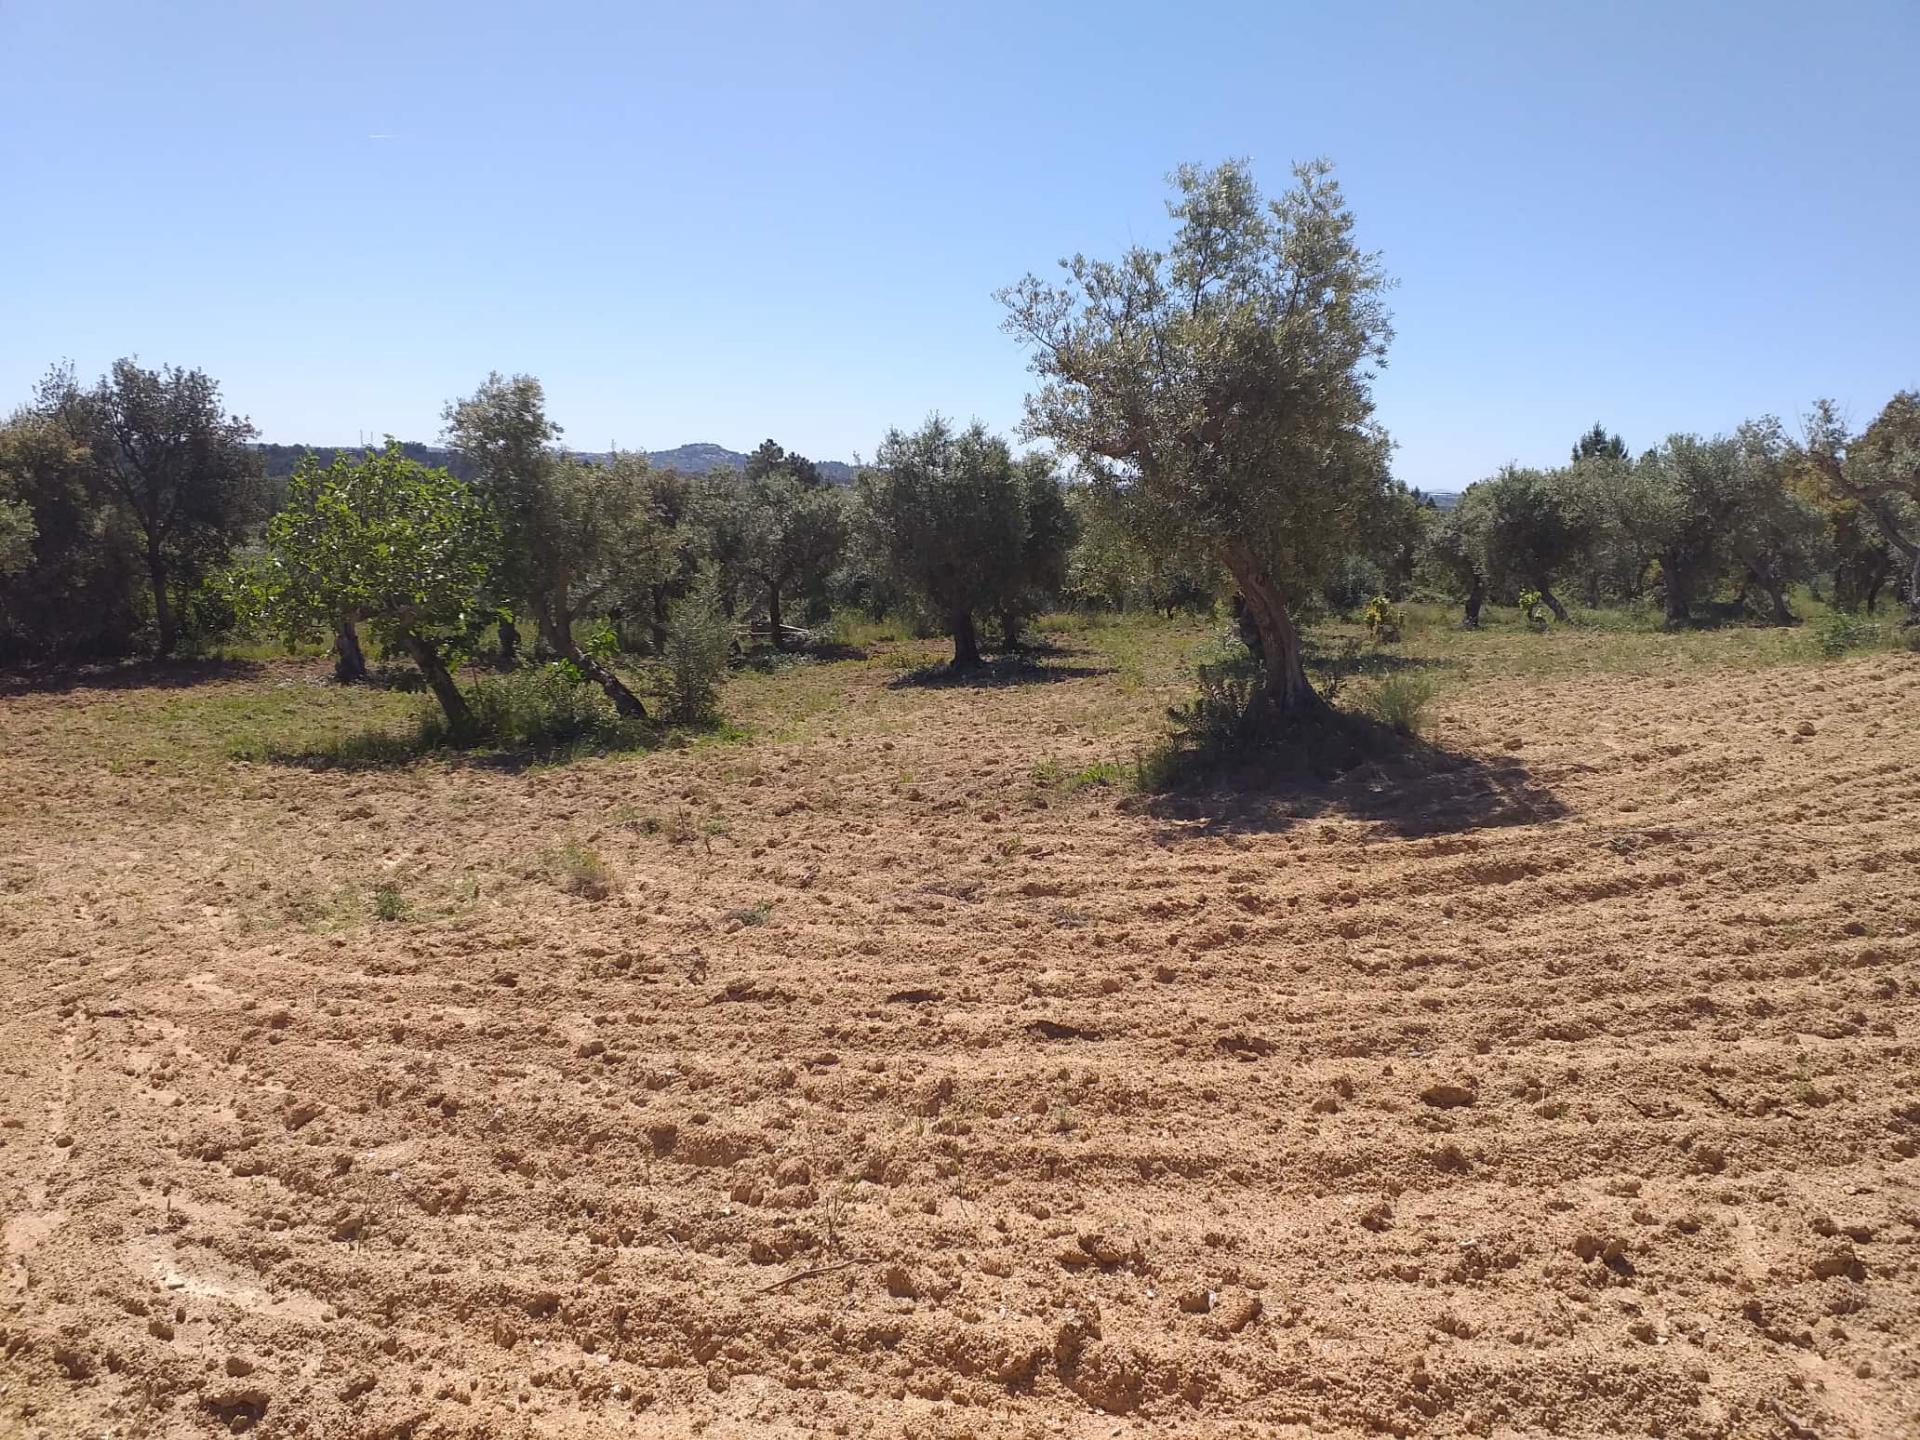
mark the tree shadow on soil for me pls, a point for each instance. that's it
(768, 661)
(123, 675)
(1408, 787)
(1012, 668)
(377, 750)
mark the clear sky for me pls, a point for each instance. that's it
(718, 221)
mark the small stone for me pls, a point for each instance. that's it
(1446, 1096)
(899, 1283)
(1838, 1262)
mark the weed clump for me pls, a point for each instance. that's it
(1228, 724)
(1384, 620)
(389, 904)
(577, 869)
(756, 914)
(1400, 702)
(1052, 777)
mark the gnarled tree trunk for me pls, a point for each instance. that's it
(1286, 690)
(1776, 596)
(439, 680)
(165, 624)
(773, 617)
(1476, 597)
(1552, 602)
(966, 643)
(556, 636)
(1674, 579)
(657, 625)
(509, 642)
(349, 660)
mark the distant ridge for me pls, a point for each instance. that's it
(695, 459)
(703, 455)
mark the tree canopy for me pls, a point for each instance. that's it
(563, 522)
(1877, 473)
(1224, 387)
(385, 541)
(944, 511)
(180, 469)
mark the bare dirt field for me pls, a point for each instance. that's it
(877, 1075)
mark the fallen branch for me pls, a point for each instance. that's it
(817, 1270)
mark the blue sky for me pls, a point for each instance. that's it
(724, 221)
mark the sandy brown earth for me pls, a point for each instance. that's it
(1573, 1088)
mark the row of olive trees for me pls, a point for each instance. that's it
(1747, 515)
(117, 501)
(120, 504)
(949, 521)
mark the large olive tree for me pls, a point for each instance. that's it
(1877, 471)
(1535, 528)
(944, 515)
(795, 531)
(1725, 511)
(567, 527)
(1224, 387)
(182, 470)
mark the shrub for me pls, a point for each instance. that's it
(549, 707)
(389, 904)
(1400, 702)
(1837, 632)
(1384, 620)
(699, 640)
(1219, 721)
(1533, 607)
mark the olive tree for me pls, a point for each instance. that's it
(1724, 508)
(794, 532)
(566, 526)
(178, 465)
(1877, 471)
(70, 582)
(1224, 387)
(385, 541)
(944, 513)
(1455, 554)
(1047, 532)
(1534, 529)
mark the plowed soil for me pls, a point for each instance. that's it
(862, 1078)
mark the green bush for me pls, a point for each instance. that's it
(1384, 620)
(1219, 721)
(699, 640)
(1837, 632)
(389, 904)
(549, 707)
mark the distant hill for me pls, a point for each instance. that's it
(703, 455)
(695, 459)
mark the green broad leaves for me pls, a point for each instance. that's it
(379, 538)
